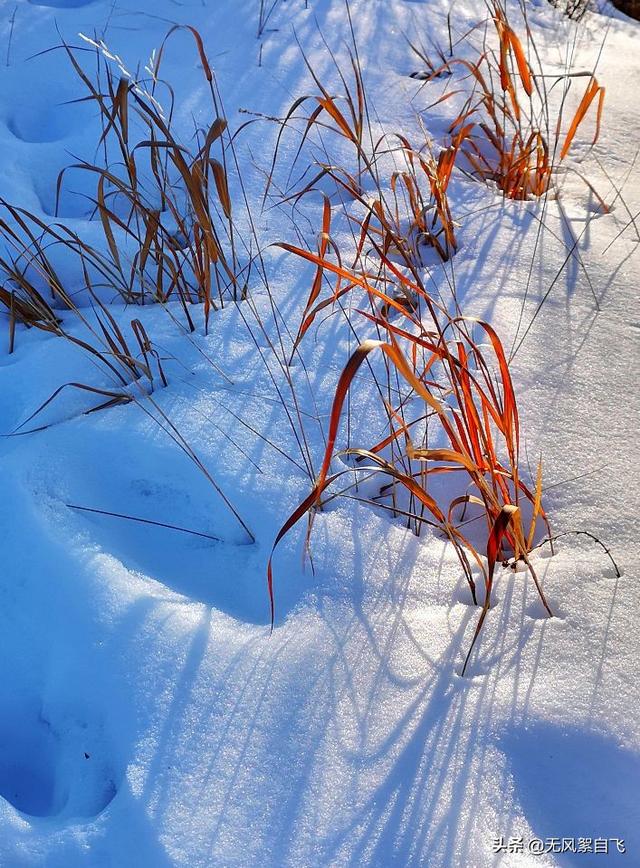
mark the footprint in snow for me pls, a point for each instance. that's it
(54, 766)
(159, 516)
(46, 118)
(573, 783)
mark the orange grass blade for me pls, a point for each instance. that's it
(442, 455)
(498, 531)
(463, 498)
(329, 105)
(293, 519)
(523, 65)
(507, 514)
(537, 505)
(588, 97)
(316, 286)
(220, 177)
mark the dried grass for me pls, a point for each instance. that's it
(504, 130)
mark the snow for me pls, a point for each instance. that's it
(148, 715)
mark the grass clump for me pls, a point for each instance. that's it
(168, 233)
(164, 208)
(505, 133)
(403, 188)
(459, 453)
(470, 424)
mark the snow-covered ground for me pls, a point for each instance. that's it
(147, 715)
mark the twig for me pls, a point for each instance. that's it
(11, 25)
(557, 536)
(144, 521)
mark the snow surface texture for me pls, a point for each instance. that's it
(147, 717)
